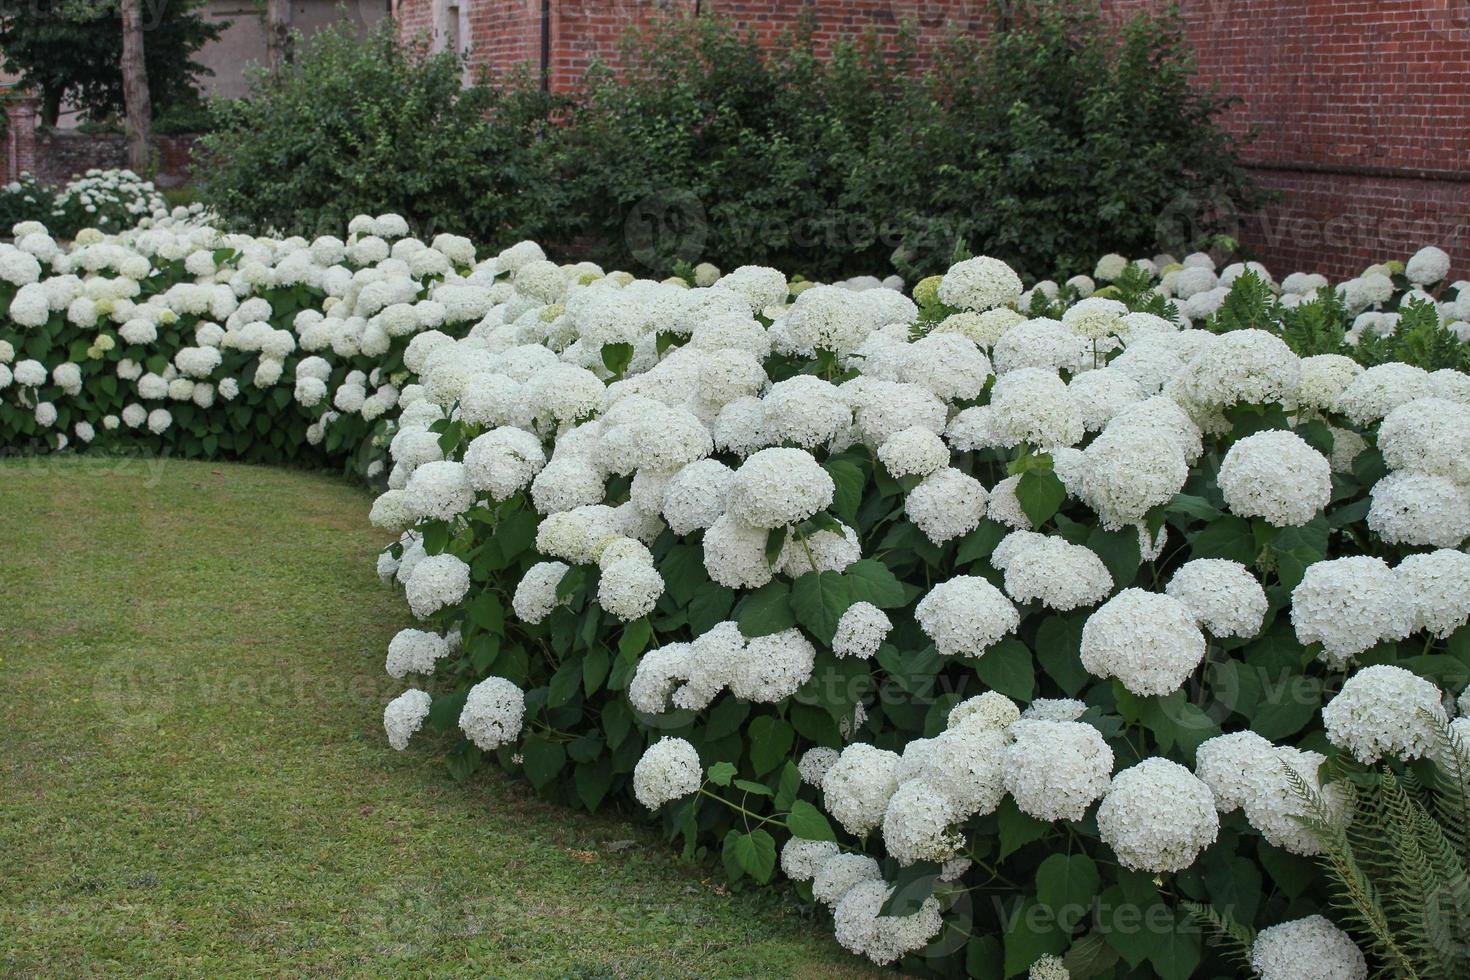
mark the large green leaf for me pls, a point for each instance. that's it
(1068, 883)
(1040, 494)
(766, 610)
(871, 581)
(819, 599)
(1007, 667)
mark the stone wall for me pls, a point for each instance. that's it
(54, 156)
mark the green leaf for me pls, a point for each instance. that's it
(819, 599)
(1007, 667)
(1030, 936)
(751, 854)
(759, 789)
(1192, 506)
(721, 773)
(1040, 494)
(981, 542)
(1089, 956)
(710, 605)
(542, 760)
(765, 611)
(808, 823)
(462, 761)
(788, 784)
(775, 541)
(594, 669)
(1067, 882)
(564, 682)
(486, 612)
(635, 638)
(1058, 648)
(1177, 953)
(617, 357)
(869, 580)
(1017, 829)
(848, 479)
(1225, 537)
(593, 780)
(770, 743)
(1119, 551)
(726, 717)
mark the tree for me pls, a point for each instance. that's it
(135, 85)
(278, 38)
(71, 50)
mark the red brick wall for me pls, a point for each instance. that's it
(1359, 106)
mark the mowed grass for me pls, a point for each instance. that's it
(194, 779)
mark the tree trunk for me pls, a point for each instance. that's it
(278, 40)
(135, 86)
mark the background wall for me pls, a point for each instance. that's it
(1359, 106)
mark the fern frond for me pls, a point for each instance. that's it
(1413, 895)
(1451, 800)
(1235, 939)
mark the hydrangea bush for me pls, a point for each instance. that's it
(1002, 622)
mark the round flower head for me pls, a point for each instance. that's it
(948, 503)
(1099, 395)
(437, 581)
(1427, 266)
(1058, 574)
(772, 668)
(1034, 406)
(802, 859)
(839, 873)
(991, 710)
(1384, 710)
(659, 671)
(1222, 595)
(1055, 770)
(1048, 967)
(1242, 366)
(861, 631)
(965, 616)
(1276, 808)
(1234, 767)
(1324, 378)
(1382, 388)
(1157, 817)
(629, 588)
(1307, 949)
(1127, 471)
(735, 554)
(438, 490)
(913, 452)
(856, 789)
(1349, 605)
(947, 364)
(1147, 641)
(861, 928)
(668, 770)
(814, 764)
(714, 658)
(415, 651)
(916, 824)
(1429, 435)
(1094, 317)
(981, 283)
(1419, 509)
(1275, 475)
(493, 713)
(535, 596)
(404, 715)
(804, 410)
(778, 487)
(1438, 586)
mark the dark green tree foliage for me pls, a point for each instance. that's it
(71, 50)
(360, 125)
(1049, 144)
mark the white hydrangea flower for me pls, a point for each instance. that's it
(415, 651)
(438, 490)
(1275, 475)
(629, 588)
(913, 452)
(1324, 378)
(1419, 509)
(1307, 949)
(735, 554)
(1058, 574)
(1379, 390)
(405, 715)
(1427, 266)
(965, 616)
(857, 787)
(882, 938)
(659, 671)
(1428, 435)
(494, 712)
(947, 364)
(1222, 595)
(668, 770)
(917, 822)
(1147, 640)
(814, 763)
(802, 859)
(981, 283)
(861, 631)
(1438, 587)
(535, 596)
(437, 581)
(1349, 605)
(778, 487)
(771, 668)
(1127, 472)
(696, 495)
(1055, 770)
(1385, 710)
(838, 874)
(1034, 406)
(946, 504)
(1157, 816)
(1048, 967)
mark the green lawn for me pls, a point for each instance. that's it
(194, 778)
